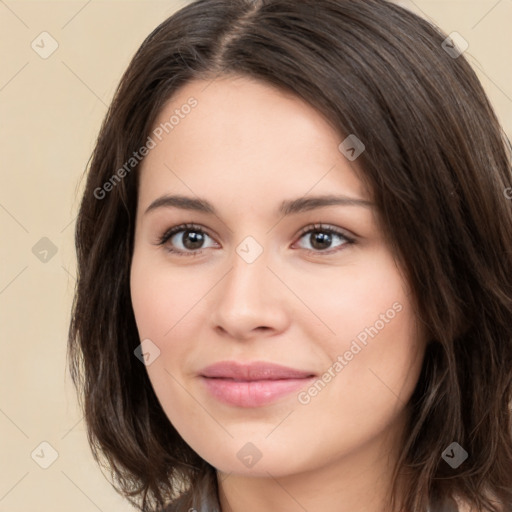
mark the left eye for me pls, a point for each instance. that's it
(321, 238)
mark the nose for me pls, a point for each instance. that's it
(250, 299)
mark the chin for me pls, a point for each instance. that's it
(258, 459)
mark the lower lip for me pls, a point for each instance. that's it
(252, 393)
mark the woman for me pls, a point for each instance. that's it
(294, 251)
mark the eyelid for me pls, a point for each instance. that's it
(329, 228)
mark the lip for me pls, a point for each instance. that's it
(254, 384)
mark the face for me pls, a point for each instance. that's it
(246, 270)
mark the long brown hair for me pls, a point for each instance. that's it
(437, 165)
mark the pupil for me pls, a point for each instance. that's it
(195, 237)
(321, 238)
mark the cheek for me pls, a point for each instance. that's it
(374, 349)
(169, 305)
(162, 296)
(363, 390)
(162, 303)
(376, 363)
(355, 301)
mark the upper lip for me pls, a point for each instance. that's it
(257, 370)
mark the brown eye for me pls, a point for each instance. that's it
(192, 239)
(187, 240)
(321, 239)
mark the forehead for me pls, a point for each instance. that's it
(248, 136)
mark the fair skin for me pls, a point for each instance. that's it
(245, 148)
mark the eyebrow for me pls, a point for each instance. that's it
(287, 207)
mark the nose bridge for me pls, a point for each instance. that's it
(247, 299)
(248, 275)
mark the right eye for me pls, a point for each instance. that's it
(184, 240)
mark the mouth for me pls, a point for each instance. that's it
(252, 385)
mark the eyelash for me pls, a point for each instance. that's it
(308, 229)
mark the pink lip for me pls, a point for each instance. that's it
(254, 384)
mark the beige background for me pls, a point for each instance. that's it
(50, 112)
